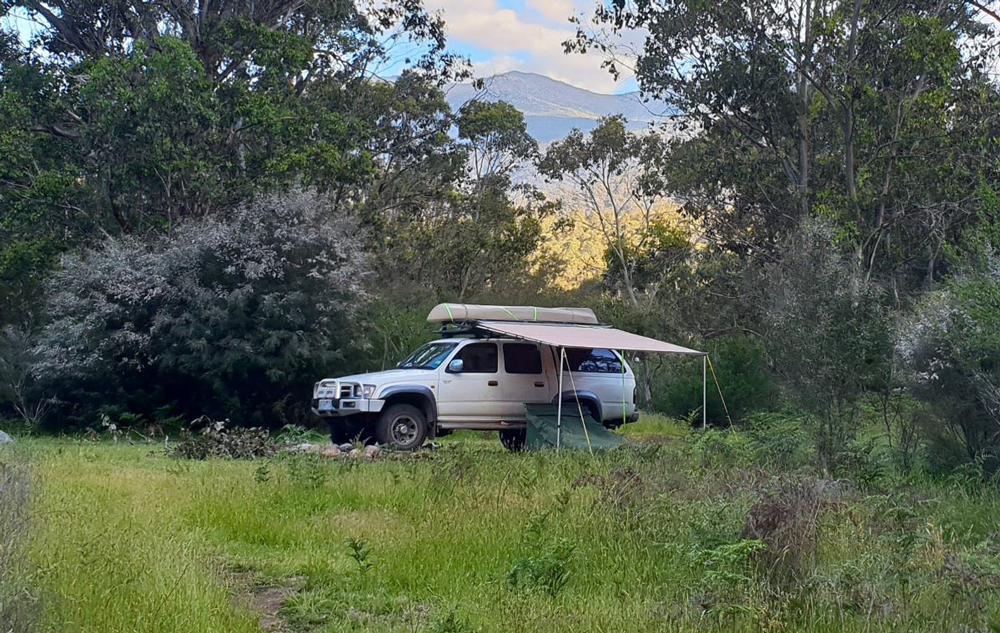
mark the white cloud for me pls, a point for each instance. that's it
(519, 44)
(556, 10)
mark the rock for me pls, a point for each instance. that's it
(372, 451)
(301, 448)
(354, 453)
(5, 439)
(346, 447)
(331, 451)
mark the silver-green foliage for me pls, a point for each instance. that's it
(828, 332)
(225, 317)
(948, 351)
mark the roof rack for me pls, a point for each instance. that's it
(468, 329)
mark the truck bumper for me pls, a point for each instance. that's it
(331, 408)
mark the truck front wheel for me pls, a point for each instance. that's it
(401, 426)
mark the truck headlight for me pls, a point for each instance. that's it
(367, 390)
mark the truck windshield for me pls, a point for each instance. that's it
(428, 356)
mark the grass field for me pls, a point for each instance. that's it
(672, 533)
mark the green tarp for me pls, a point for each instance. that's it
(541, 431)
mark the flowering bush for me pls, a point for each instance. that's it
(227, 317)
(949, 353)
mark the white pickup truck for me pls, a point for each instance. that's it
(473, 381)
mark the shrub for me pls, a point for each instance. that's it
(774, 440)
(785, 521)
(546, 566)
(230, 318)
(949, 354)
(717, 448)
(743, 378)
(828, 334)
(779, 440)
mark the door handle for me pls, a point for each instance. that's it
(539, 384)
(492, 383)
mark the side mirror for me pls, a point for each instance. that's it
(456, 366)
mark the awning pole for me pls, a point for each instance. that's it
(704, 390)
(562, 356)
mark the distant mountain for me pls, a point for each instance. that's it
(552, 108)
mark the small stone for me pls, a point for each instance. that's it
(346, 447)
(332, 451)
(372, 451)
(5, 439)
(354, 453)
(301, 448)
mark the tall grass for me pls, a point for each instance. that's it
(115, 555)
(673, 536)
(18, 601)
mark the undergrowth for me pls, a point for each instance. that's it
(706, 531)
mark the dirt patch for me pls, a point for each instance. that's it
(266, 600)
(268, 603)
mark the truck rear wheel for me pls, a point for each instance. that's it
(401, 426)
(513, 440)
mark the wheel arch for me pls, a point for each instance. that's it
(416, 395)
(587, 399)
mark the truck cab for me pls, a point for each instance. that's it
(473, 382)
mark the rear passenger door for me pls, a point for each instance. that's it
(524, 380)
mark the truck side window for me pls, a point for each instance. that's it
(595, 361)
(479, 358)
(521, 358)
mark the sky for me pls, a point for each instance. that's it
(502, 35)
(527, 35)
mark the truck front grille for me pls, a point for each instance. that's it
(338, 390)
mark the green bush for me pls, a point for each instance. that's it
(743, 378)
(772, 440)
(780, 440)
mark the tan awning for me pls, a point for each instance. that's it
(584, 336)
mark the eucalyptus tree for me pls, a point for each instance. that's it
(879, 116)
(479, 235)
(129, 117)
(612, 177)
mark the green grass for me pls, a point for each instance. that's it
(471, 538)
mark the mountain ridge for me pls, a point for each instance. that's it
(552, 108)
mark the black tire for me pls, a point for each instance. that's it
(589, 408)
(613, 424)
(513, 440)
(402, 427)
